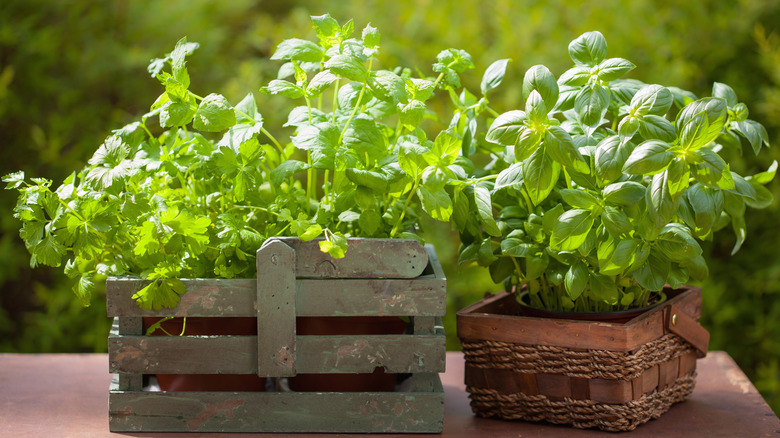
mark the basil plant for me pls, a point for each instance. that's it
(604, 186)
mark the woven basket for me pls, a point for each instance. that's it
(611, 376)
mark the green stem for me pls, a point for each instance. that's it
(357, 104)
(403, 212)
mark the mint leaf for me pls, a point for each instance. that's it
(298, 50)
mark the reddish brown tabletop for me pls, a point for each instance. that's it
(50, 395)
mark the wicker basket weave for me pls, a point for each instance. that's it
(611, 376)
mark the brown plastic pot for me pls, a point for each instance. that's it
(378, 381)
(208, 382)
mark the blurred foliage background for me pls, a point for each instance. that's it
(72, 70)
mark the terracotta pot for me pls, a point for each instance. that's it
(208, 382)
(378, 381)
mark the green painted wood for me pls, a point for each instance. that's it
(132, 326)
(425, 296)
(426, 382)
(238, 354)
(390, 412)
(365, 258)
(276, 290)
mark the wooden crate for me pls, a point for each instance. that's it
(378, 277)
(608, 375)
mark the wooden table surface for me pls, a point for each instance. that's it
(66, 395)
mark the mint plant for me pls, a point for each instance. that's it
(603, 186)
(197, 196)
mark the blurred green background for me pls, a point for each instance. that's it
(72, 70)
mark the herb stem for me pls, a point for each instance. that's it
(357, 104)
(403, 211)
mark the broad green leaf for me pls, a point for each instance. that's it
(679, 177)
(517, 248)
(710, 169)
(571, 230)
(371, 36)
(310, 233)
(700, 122)
(550, 218)
(616, 222)
(726, 93)
(614, 68)
(765, 177)
(527, 142)
(536, 265)
(485, 255)
(588, 49)
(656, 127)
(697, 268)
(178, 62)
(538, 78)
(764, 197)
(412, 114)
(706, 204)
(297, 49)
(501, 269)
(616, 255)
(574, 77)
(678, 276)
(160, 293)
(512, 176)
(604, 288)
(321, 140)
(753, 132)
(325, 26)
(388, 86)
(676, 242)
(455, 59)
(559, 146)
(651, 99)
(214, 114)
(445, 150)
(578, 198)
(610, 157)
(284, 88)
(348, 66)
(376, 181)
(437, 204)
(484, 204)
(411, 159)
(591, 104)
(661, 207)
(365, 138)
(650, 157)
(285, 170)
(174, 114)
(319, 83)
(733, 204)
(369, 222)
(535, 108)
(576, 280)
(493, 76)
(505, 128)
(540, 173)
(652, 274)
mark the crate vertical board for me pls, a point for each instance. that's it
(379, 277)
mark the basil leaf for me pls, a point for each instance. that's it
(493, 76)
(604, 288)
(576, 280)
(652, 274)
(709, 168)
(651, 100)
(624, 193)
(540, 173)
(571, 230)
(538, 78)
(512, 176)
(485, 210)
(505, 128)
(649, 158)
(298, 50)
(656, 127)
(436, 203)
(610, 157)
(661, 207)
(578, 198)
(559, 146)
(588, 49)
(614, 68)
(591, 104)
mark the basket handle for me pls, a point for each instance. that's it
(682, 325)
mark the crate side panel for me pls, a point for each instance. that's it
(365, 258)
(363, 353)
(204, 297)
(402, 412)
(238, 354)
(372, 297)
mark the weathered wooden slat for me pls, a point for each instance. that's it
(315, 297)
(129, 326)
(276, 346)
(238, 354)
(395, 412)
(365, 258)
